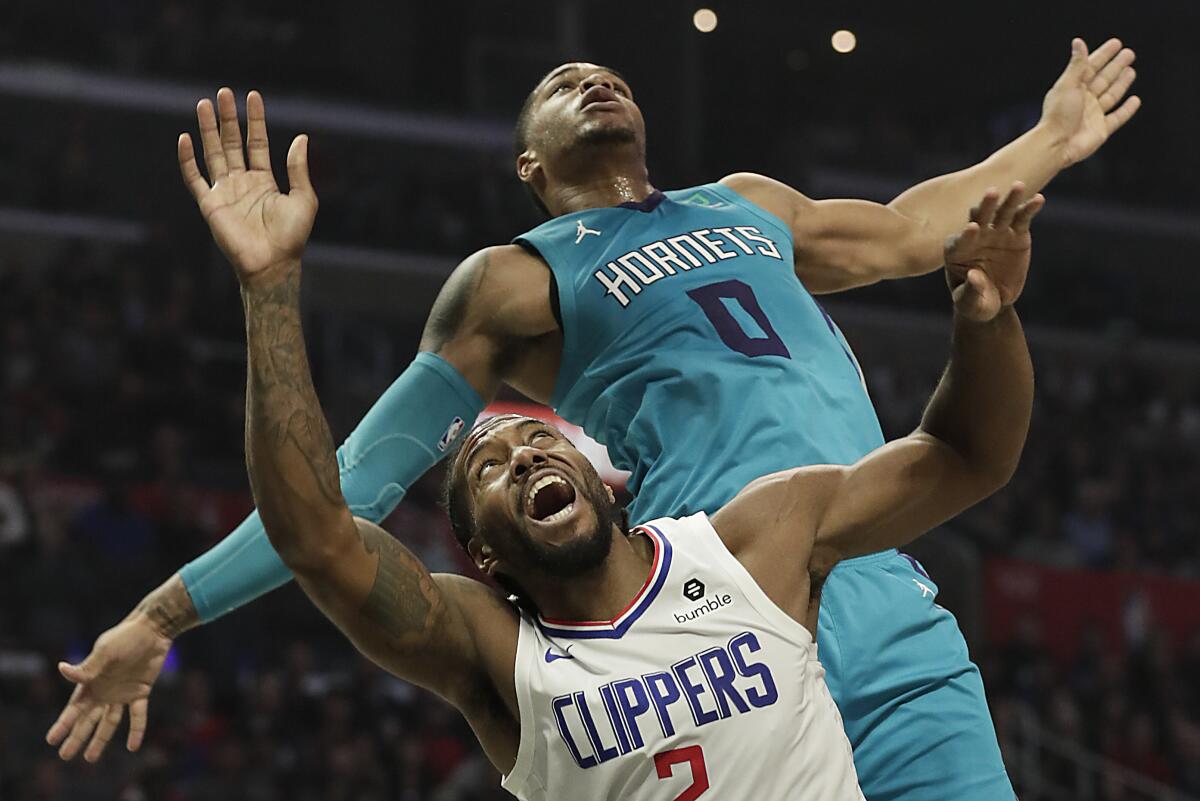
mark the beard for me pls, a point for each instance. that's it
(582, 554)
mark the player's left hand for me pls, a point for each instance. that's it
(1081, 107)
(987, 262)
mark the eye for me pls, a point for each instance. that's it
(540, 434)
(559, 87)
(621, 90)
(484, 465)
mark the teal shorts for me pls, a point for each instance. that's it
(910, 696)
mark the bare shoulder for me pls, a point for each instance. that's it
(493, 622)
(486, 607)
(784, 506)
(775, 196)
(753, 182)
(506, 264)
(771, 528)
(493, 625)
(501, 291)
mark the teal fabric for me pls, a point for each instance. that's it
(911, 698)
(670, 365)
(408, 430)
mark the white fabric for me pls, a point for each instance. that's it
(741, 707)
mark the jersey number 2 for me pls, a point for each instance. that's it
(711, 298)
(665, 761)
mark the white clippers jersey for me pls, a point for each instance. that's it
(701, 689)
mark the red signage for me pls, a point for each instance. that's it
(1062, 603)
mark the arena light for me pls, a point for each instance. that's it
(705, 20)
(844, 41)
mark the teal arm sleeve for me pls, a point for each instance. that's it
(408, 430)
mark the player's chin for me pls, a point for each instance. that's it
(607, 127)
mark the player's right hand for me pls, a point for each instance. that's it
(257, 227)
(988, 261)
(119, 672)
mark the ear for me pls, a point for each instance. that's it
(482, 555)
(528, 166)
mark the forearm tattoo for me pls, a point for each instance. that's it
(403, 601)
(170, 608)
(281, 403)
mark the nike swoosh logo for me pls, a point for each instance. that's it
(551, 656)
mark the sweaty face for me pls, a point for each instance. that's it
(581, 104)
(539, 505)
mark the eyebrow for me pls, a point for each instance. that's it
(478, 444)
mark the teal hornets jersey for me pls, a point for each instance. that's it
(692, 351)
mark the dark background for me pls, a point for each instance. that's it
(121, 360)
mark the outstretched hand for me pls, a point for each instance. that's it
(257, 227)
(1082, 105)
(988, 261)
(119, 672)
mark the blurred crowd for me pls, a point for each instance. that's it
(1137, 706)
(1110, 470)
(378, 194)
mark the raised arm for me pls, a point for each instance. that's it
(967, 446)
(841, 244)
(494, 301)
(366, 582)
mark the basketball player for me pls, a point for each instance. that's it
(671, 326)
(667, 662)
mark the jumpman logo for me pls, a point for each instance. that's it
(582, 230)
(926, 591)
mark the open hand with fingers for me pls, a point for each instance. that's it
(119, 672)
(987, 262)
(1084, 106)
(257, 227)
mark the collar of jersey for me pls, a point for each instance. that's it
(650, 203)
(616, 628)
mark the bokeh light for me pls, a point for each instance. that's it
(844, 41)
(705, 20)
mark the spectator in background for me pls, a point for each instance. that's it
(1089, 526)
(16, 529)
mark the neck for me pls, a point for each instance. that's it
(600, 181)
(603, 593)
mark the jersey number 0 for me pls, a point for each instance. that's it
(711, 298)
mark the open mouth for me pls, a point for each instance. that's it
(549, 499)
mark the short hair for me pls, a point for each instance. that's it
(455, 502)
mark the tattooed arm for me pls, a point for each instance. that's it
(448, 634)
